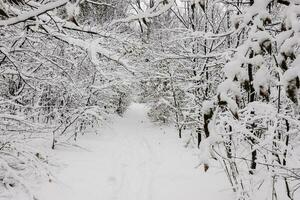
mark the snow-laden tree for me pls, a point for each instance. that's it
(60, 76)
(251, 125)
(184, 49)
(228, 71)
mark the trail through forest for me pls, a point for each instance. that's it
(134, 159)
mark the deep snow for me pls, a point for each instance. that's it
(133, 159)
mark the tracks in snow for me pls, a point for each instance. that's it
(132, 160)
(135, 162)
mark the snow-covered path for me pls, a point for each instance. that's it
(133, 160)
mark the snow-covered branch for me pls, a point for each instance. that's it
(27, 15)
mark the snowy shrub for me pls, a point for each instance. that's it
(227, 70)
(252, 123)
(123, 98)
(160, 112)
(58, 79)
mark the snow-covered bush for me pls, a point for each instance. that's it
(252, 122)
(160, 111)
(57, 79)
(123, 98)
(61, 75)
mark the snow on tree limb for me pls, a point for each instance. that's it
(93, 47)
(100, 4)
(152, 12)
(34, 13)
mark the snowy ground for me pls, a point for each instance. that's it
(133, 160)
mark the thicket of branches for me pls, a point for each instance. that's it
(60, 76)
(229, 72)
(226, 71)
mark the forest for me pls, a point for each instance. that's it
(221, 76)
